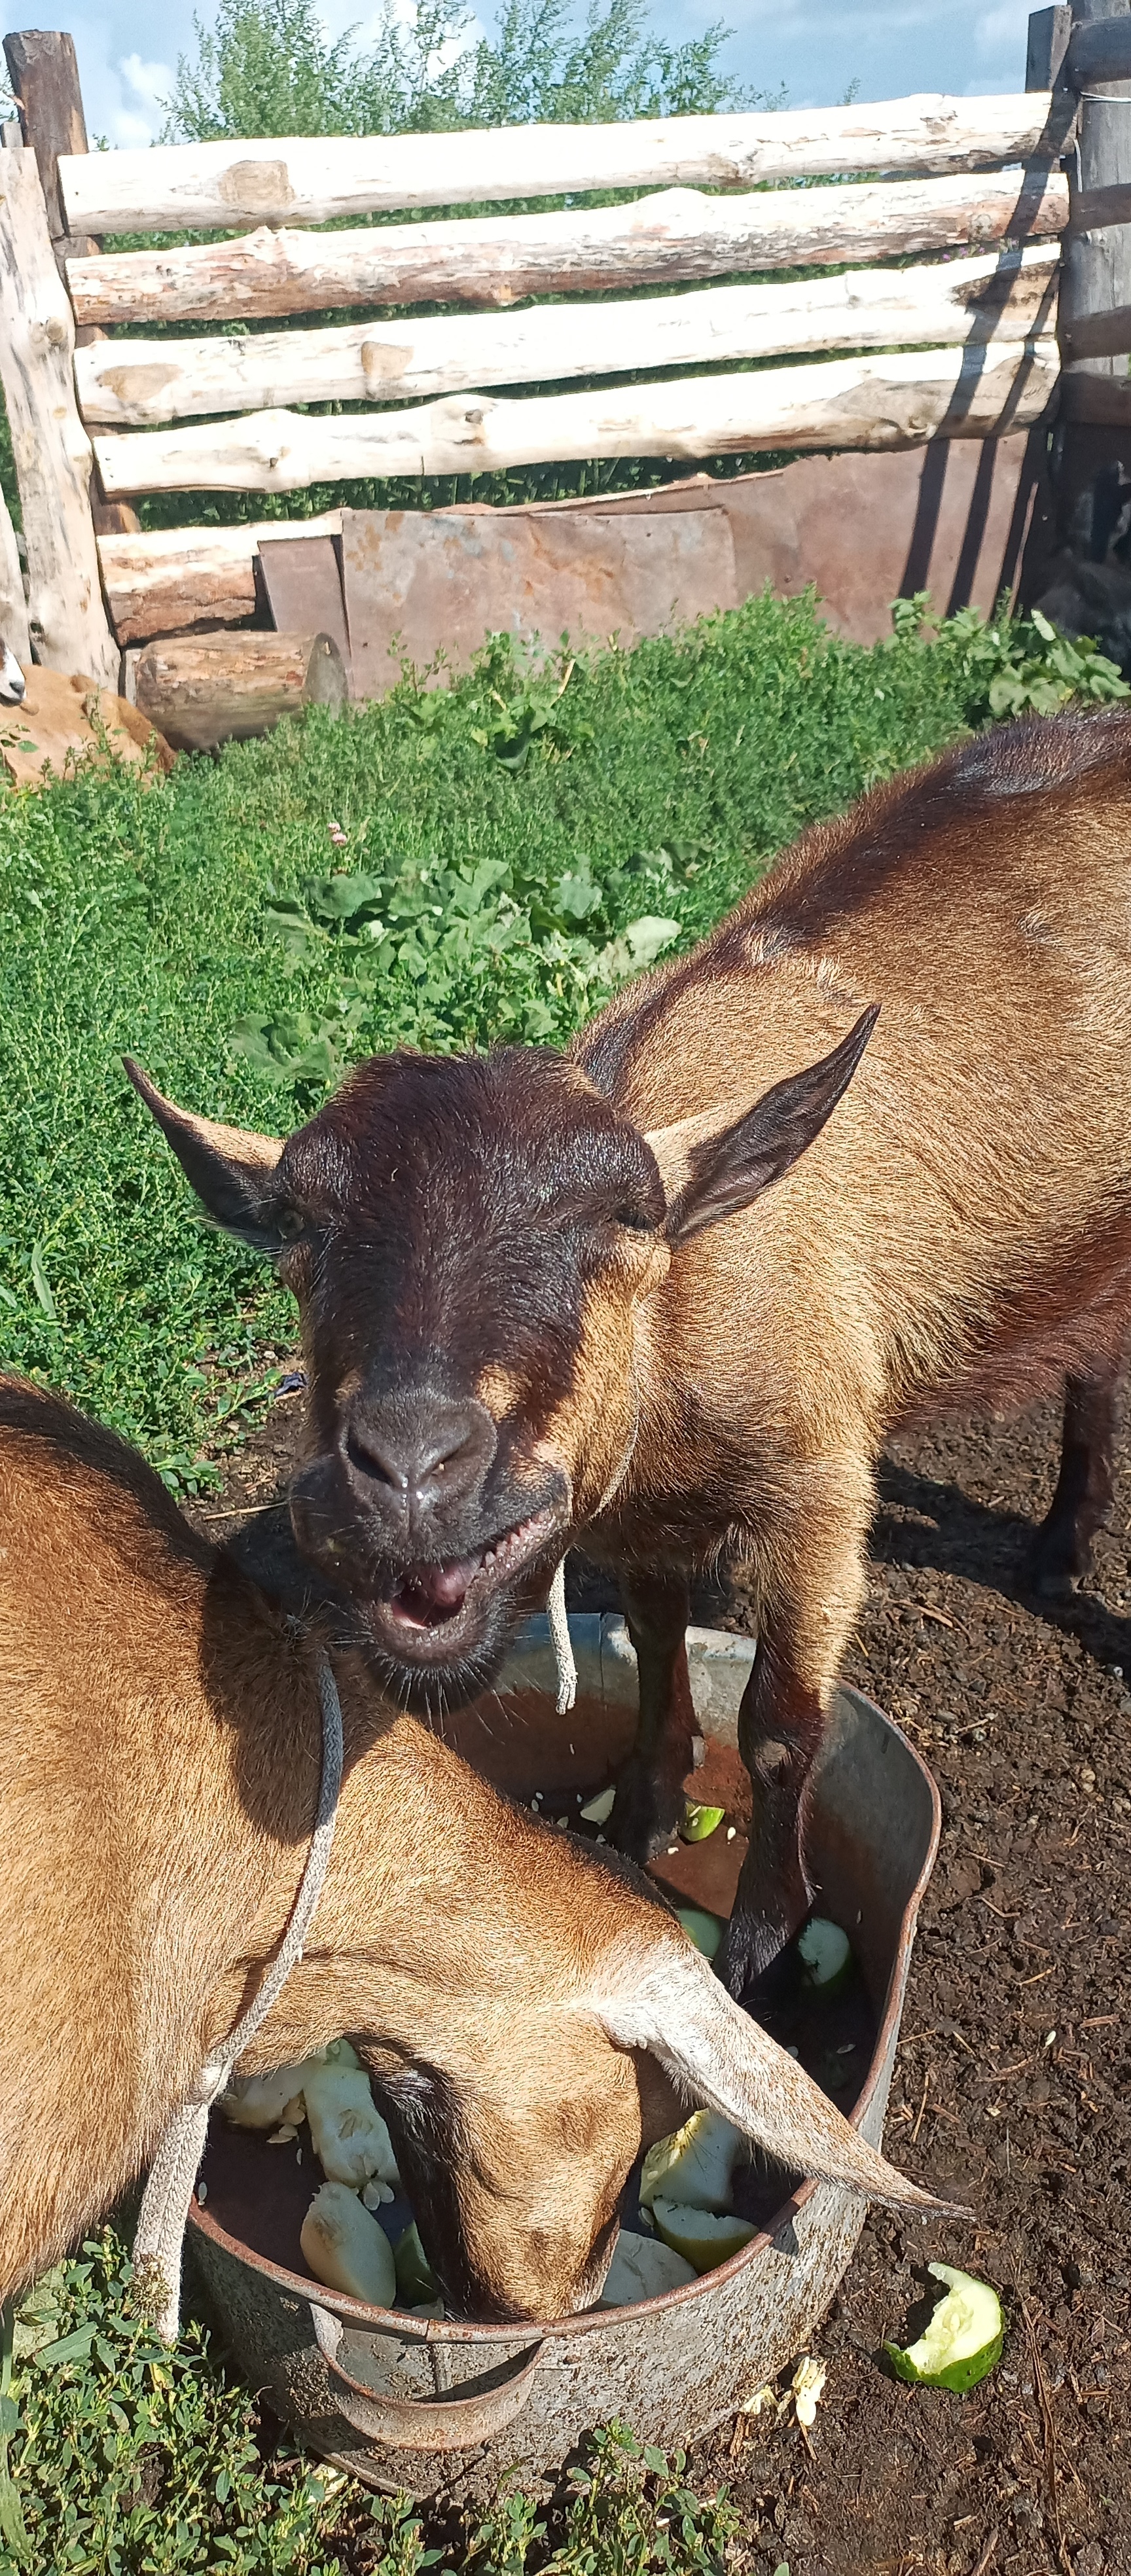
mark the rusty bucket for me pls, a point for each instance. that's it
(416, 2404)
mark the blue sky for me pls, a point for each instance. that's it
(816, 47)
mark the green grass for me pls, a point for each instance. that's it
(136, 918)
(127, 2459)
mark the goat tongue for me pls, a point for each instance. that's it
(430, 1593)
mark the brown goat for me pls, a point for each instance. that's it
(547, 1299)
(516, 2001)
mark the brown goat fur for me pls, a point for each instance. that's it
(544, 1300)
(517, 2003)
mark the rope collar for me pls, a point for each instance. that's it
(159, 2239)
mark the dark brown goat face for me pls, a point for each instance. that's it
(468, 1241)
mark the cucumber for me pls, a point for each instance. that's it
(963, 2340)
(706, 1930)
(599, 1808)
(704, 2237)
(695, 2164)
(642, 2268)
(415, 2277)
(699, 1821)
(825, 1953)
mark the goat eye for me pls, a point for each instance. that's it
(632, 1218)
(291, 1224)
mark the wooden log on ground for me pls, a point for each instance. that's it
(208, 689)
(500, 259)
(888, 401)
(135, 383)
(51, 449)
(195, 187)
(173, 581)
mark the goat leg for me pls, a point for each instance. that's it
(1062, 1549)
(805, 1620)
(649, 1802)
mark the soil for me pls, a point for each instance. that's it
(1011, 2084)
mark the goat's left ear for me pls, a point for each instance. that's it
(710, 1173)
(231, 1169)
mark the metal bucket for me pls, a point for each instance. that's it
(419, 2404)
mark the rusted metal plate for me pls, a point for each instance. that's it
(302, 579)
(417, 582)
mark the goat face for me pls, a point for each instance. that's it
(470, 1241)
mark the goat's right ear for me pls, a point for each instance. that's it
(232, 1171)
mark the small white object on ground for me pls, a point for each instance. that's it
(805, 2388)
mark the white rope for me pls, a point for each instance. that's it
(561, 1643)
(159, 2239)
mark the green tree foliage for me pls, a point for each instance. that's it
(266, 67)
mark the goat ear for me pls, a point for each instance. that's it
(675, 2007)
(231, 1170)
(710, 1171)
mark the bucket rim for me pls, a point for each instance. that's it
(589, 2321)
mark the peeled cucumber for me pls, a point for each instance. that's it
(703, 2237)
(350, 2138)
(695, 2164)
(642, 2267)
(346, 2249)
(963, 2340)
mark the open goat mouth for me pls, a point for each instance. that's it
(434, 1603)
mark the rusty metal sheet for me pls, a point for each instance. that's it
(962, 518)
(416, 582)
(302, 577)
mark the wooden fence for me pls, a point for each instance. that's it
(1015, 212)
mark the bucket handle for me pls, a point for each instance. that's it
(422, 2423)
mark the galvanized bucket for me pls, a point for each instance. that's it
(422, 2404)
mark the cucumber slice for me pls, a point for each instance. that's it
(699, 1821)
(600, 1808)
(704, 2237)
(825, 1953)
(963, 2340)
(695, 2164)
(642, 2268)
(706, 1930)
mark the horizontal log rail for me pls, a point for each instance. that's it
(889, 401)
(197, 187)
(498, 260)
(1092, 209)
(168, 581)
(1097, 335)
(139, 383)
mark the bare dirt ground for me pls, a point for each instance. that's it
(1011, 2085)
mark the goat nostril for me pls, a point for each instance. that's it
(370, 1460)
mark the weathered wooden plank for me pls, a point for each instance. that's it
(44, 73)
(176, 580)
(51, 449)
(205, 689)
(192, 187)
(132, 383)
(500, 259)
(847, 402)
(1099, 53)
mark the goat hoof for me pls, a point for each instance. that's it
(1050, 1573)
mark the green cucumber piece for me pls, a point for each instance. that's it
(706, 1930)
(963, 2340)
(699, 1821)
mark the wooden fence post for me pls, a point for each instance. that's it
(53, 454)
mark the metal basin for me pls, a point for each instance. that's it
(419, 2404)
